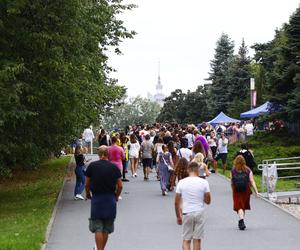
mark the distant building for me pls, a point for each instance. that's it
(158, 96)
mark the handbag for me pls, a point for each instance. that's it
(170, 168)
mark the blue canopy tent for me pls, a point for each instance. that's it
(222, 118)
(263, 109)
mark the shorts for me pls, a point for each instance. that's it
(193, 226)
(147, 162)
(222, 156)
(102, 225)
(87, 143)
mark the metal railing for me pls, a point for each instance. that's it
(281, 166)
(280, 159)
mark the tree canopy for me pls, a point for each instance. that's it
(54, 76)
(136, 110)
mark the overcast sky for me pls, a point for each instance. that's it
(182, 35)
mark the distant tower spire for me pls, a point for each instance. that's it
(159, 86)
(159, 96)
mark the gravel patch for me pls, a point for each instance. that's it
(293, 207)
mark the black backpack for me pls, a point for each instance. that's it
(240, 181)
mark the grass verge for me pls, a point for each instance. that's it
(269, 145)
(26, 204)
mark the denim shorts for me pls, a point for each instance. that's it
(102, 225)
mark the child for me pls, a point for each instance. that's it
(203, 169)
(181, 169)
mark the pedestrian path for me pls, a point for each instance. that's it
(146, 220)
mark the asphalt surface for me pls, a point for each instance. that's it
(146, 220)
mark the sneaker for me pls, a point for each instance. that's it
(125, 180)
(166, 192)
(120, 197)
(79, 197)
(135, 175)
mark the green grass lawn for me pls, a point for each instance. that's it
(26, 203)
(266, 145)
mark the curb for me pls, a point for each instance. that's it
(266, 200)
(51, 221)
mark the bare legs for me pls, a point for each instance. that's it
(101, 240)
(215, 166)
(187, 245)
(241, 214)
(133, 165)
(146, 171)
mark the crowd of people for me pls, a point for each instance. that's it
(182, 157)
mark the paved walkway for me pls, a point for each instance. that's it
(146, 220)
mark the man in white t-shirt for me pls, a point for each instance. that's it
(192, 192)
(88, 136)
(190, 137)
(222, 153)
(184, 152)
(249, 128)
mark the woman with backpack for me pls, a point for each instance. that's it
(241, 182)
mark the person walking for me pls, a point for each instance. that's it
(181, 169)
(88, 136)
(116, 153)
(173, 151)
(203, 169)
(192, 192)
(79, 173)
(103, 187)
(241, 182)
(184, 151)
(133, 151)
(164, 162)
(248, 156)
(123, 141)
(147, 153)
(222, 153)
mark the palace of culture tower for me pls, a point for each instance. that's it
(158, 96)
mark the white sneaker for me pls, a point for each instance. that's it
(120, 197)
(79, 197)
(135, 175)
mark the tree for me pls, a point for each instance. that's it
(54, 72)
(136, 110)
(239, 81)
(219, 75)
(280, 59)
(172, 110)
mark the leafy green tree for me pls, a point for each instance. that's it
(219, 75)
(136, 110)
(280, 59)
(54, 72)
(172, 110)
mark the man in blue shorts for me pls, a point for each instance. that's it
(103, 187)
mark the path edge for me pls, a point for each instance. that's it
(265, 200)
(53, 215)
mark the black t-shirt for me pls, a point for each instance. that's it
(79, 159)
(104, 176)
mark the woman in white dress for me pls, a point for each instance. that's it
(133, 151)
